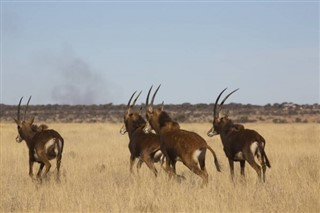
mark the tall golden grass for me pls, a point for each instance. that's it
(96, 178)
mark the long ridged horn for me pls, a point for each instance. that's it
(25, 111)
(18, 115)
(131, 99)
(222, 102)
(216, 103)
(135, 100)
(154, 95)
(147, 100)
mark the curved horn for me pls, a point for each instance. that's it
(147, 100)
(18, 115)
(131, 98)
(222, 102)
(216, 103)
(227, 97)
(25, 111)
(135, 100)
(154, 95)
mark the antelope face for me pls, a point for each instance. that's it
(149, 115)
(126, 117)
(24, 130)
(152, 120)
(216, 127)
(147, 129)
(24, 127)
(18, 138)
(132, 121)
(212, 132)
(123, 129)
(220, 125)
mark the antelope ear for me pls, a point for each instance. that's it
(31, 121)
(162, 105)
(129, 111)
(140, 110)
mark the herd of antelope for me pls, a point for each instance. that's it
(157, 138)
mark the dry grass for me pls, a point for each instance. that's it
(96, 178)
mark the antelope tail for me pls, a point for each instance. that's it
(266, 158)
(216, 162)
(62, 144)
(264, 155)
(59, 146)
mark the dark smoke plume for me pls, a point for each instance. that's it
(79, 83)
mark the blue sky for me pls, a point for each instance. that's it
(84, 52)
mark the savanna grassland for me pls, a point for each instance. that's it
(96, 178)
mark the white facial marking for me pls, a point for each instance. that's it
(123, 130)
(19, 139)
(147, 129)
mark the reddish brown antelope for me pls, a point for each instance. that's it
(239, 144)
(177, 144)
(44, 144)
(144, 146)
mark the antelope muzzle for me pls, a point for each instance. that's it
(123, 130)
(19, 139)
(147, 129)
(212, 132)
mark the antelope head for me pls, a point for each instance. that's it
(152, 114)
(25, 127)
(220, 123)
(130, 117)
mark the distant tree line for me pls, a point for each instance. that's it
(186, 112)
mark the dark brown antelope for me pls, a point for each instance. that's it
(144, 146)
(177, 144)
(44, 144)
(239, 144)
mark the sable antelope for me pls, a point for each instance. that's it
(44, 144)
(239, 144)
(144, 146)
(177, 144)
